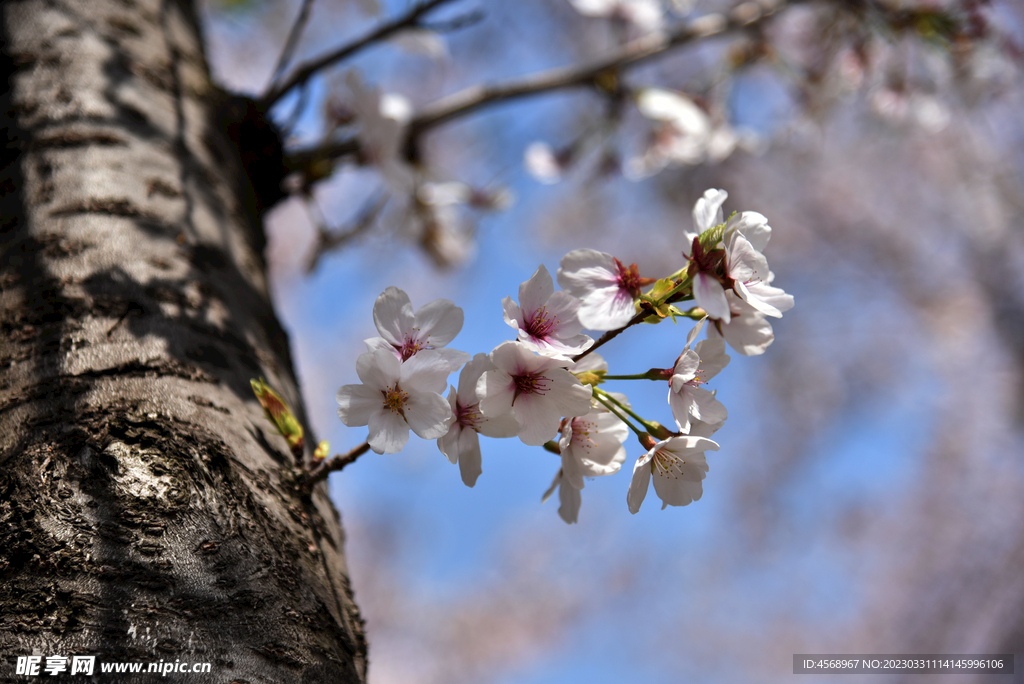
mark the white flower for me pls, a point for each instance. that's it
(396, 396)
(591, 446)
(544, 164)
(537, 390)
(546, 320)
(695, 367)
(382, 119)
(646, 15)
(707, 213)
(739, 265)
(569, 498)
(678, 466)
(405, 333)
(462, 443)
(748, 330)
(682, 134)
(606, 289)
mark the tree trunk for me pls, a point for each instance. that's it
(147, 509)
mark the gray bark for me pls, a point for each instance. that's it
(147, 510)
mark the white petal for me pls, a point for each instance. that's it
(356, 403)
(501, 426)
(496, 390)
(712, 358)
(389, 432)
(449, 444)
(606, 309)
(707, 212)
(584, 270)
(639, 484)
(537, 422)
(706, 407)
(513, 314)
(392, 314)
(709, 295)
(453, 358)
(439, 322)
(427, 371)
(379, 370)
(535, 292)
(428, 414)
(469, 377)
(569, 499)
(470, 461)
(566, 395)
(554, 485)
(753, 226)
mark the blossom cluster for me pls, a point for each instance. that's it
(544, 387)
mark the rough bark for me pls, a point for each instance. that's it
(147, 510)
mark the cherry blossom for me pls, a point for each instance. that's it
(405, 333)
(646, 15)
(546, 320)
(678, 467)
(748, 330)
(606, 289)
(739, 265)
(591, 446)
(462, 442)
(395, 397)
(544, 164)
(537, 390)
(382, 119)
(686, 396)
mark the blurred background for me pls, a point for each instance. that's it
(868, 496)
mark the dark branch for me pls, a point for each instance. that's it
(471, 99)
(331, 240)
(306, 70)
(329, 465)
(636, 52)
(291, 42)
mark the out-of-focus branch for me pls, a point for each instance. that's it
(306, 70)
(636, 52)
(329, 240)
(471, 99)
(290, 43)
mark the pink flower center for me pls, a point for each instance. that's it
(583, 433)
(541, 323)
(411, 345)
(468, 416)
(394, 399)
(530, 383)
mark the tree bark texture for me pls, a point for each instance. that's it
(147, 509)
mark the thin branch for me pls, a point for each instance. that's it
(332, 464)
(291, 42)
(299, 160)
(471, 99)
(306, 70)
(612, 334)
(636, 52)
(328, 240)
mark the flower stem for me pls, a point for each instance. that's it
(638, 376)
(615, 406)
(329, 465)
(603, 398)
